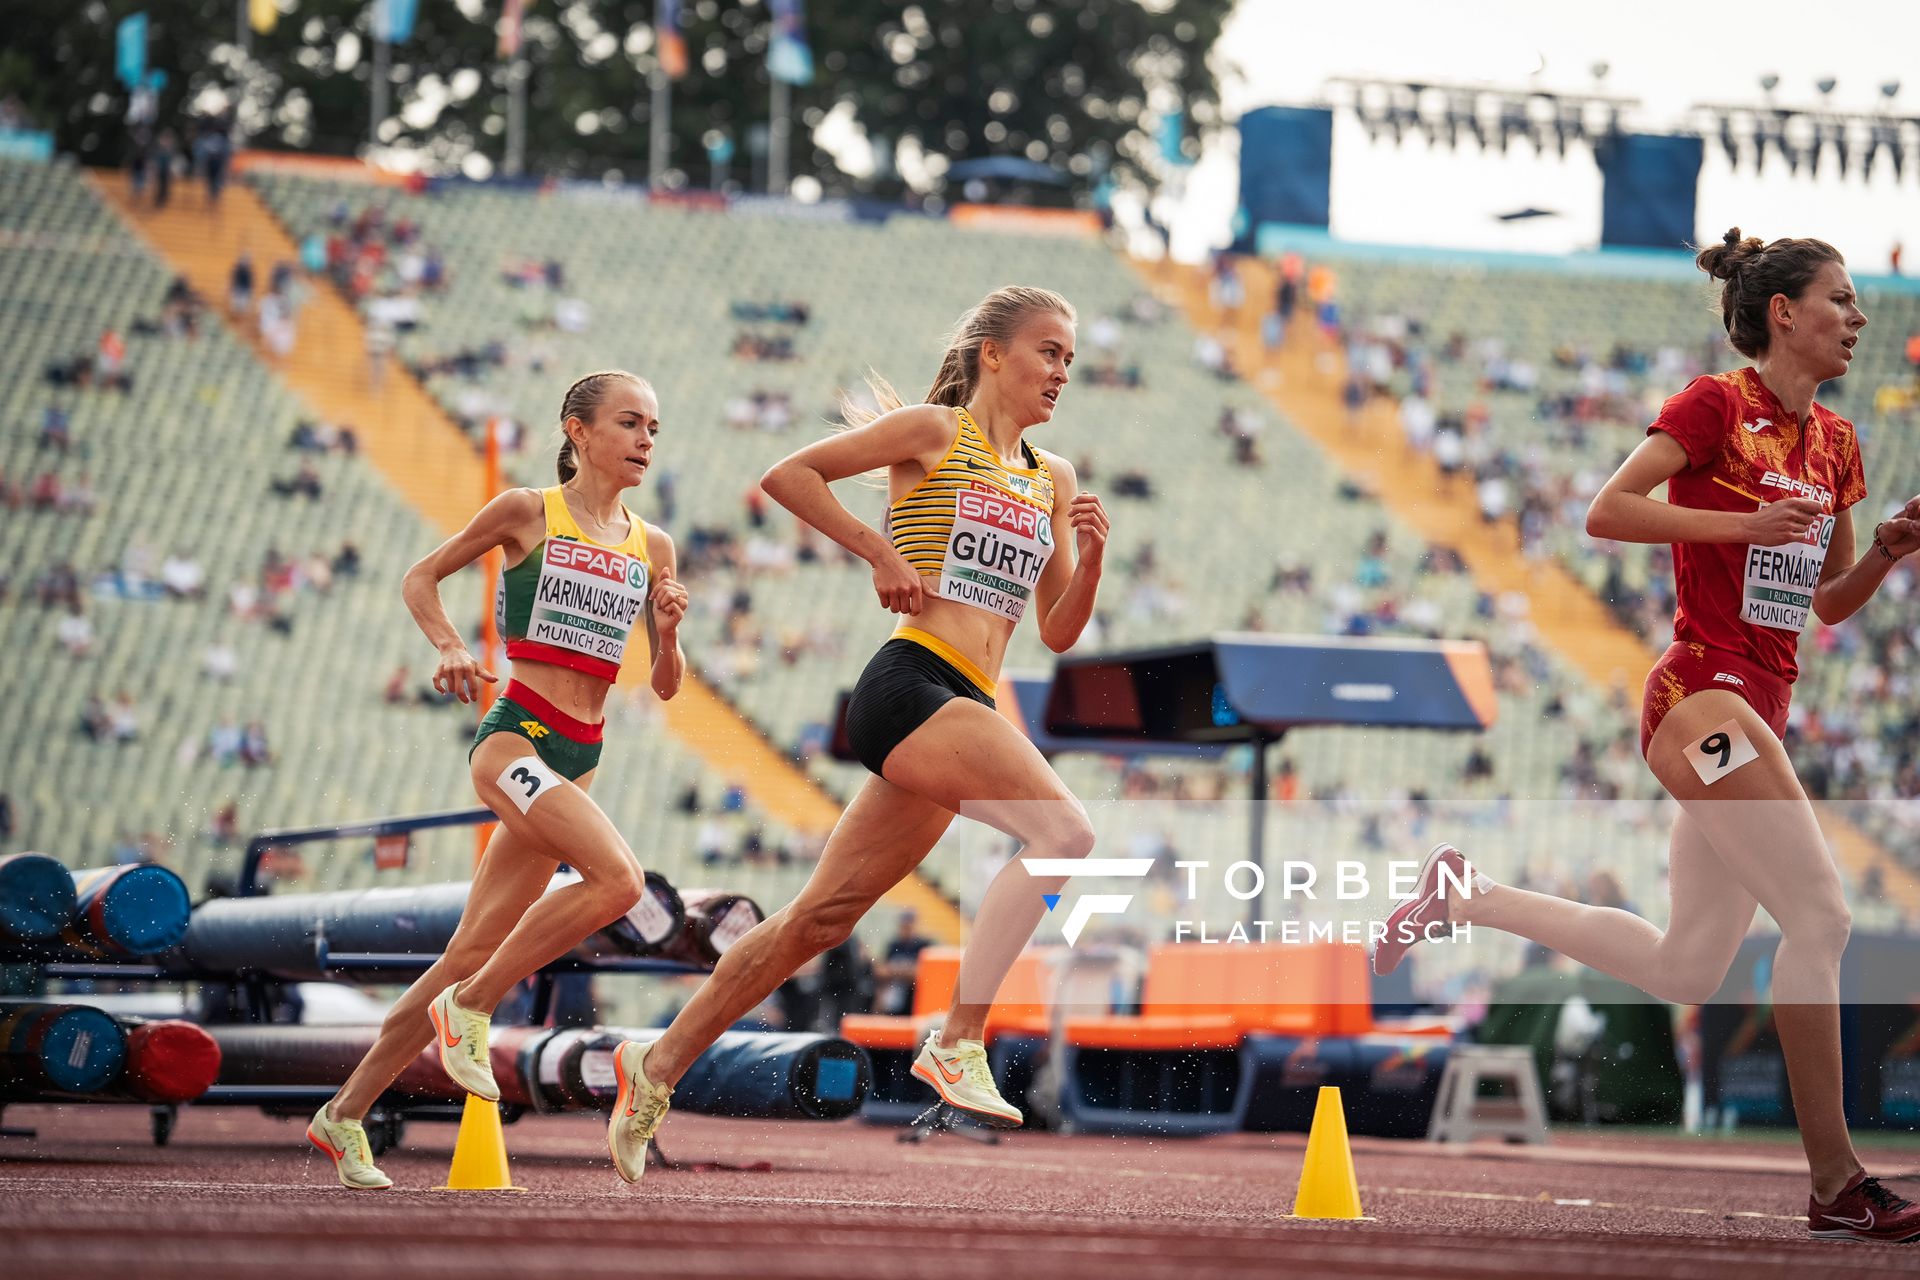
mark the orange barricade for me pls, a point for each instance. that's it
(1208, 997)
(1195, 997)
(935, 973)
(1019, 1009)
(1022, 1005)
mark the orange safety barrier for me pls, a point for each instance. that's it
(936, 971)
(1208, 997)
(1022, 1005)
(1019, 1009)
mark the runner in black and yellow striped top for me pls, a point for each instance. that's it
(970, 546)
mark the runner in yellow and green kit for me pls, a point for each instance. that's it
(582, 570)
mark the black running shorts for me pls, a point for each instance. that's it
(903, 685)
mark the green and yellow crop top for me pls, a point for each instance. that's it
(983, 528)
(573, 602)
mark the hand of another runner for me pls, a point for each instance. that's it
(460, 673)
(1779, 523)
(897, 584)
(1901, 534)
(1088, 519)
(1909, 517)
(669, 601)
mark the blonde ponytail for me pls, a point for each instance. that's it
(996, 317)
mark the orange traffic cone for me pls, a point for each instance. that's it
(1328, 1187)
(480, 1152)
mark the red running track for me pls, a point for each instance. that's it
(241, 1195)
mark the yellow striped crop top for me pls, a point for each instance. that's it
(983, 528)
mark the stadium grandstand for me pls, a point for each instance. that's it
(256, 372)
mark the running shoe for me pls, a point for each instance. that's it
(638, 1109)
(346, 1142)
(1411, 919)
(1865, 1211)
(462, 1037)
(963, 1080)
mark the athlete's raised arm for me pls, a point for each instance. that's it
(666, 606)
(1623, 511)
(498, 524)
(1847, 583)
(918, 433)
(1065, 593)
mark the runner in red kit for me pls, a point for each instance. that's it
(1760, 485)
(1742, 607)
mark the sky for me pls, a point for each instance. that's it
(1669, 54)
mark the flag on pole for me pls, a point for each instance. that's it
(510, 27)
(1173, 128)
(673, 43)
(130, 50)
(393, 20)
(262, 15)
(789, 57)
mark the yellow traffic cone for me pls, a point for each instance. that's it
(1328, 1187)
(480, 1152)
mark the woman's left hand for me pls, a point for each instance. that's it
(669, 601)
(1088, 520)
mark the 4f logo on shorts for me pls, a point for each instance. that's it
(534, 729)
(1093, 904)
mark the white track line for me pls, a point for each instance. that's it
(1507, 1198)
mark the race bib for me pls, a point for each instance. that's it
(1780, 580)
(526, 780)
(1721, 752)
(587, 599)
(997, 551)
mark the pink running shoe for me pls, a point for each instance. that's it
(1411, 919)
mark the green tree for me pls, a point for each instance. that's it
(1072, 86)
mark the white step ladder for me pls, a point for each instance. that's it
(1460, 1114)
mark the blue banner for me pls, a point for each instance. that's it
(1173, 127)
(789, 57)
(26, 144)
(130, 49)
(1649, 192)
(393, 20)
(1286, 168)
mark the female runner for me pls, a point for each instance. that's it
(969, 543)
(1760, 481)
(581, 569)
